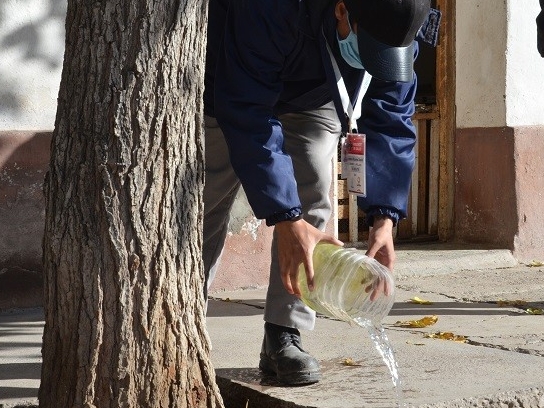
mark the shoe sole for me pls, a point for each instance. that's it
(293, 378)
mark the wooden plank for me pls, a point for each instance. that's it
(404, 227)
(353, 218)
(343, 212)
(363, 236)
(445, 75)
(334, 188)
(426, 115)
(422, 178)
(342, 190)
(434, 168)
(425, 108)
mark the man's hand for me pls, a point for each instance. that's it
(381, 248)
(296, 242)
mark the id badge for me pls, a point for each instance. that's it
(355, 159)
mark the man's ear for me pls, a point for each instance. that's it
(340, 11)
(342, 23)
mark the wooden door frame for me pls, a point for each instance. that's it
(445, 81)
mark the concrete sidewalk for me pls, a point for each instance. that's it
(500, 365)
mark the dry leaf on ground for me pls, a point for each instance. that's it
(534, 311)
(416, 324)
(447, 336)
(419, 301)
(535, 263)
(350, 362)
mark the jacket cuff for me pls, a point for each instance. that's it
(289, 215)
(387, 211)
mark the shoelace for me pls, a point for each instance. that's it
(288, 339)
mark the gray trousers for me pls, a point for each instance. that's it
(311, 139)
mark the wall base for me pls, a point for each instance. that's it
(24, 160)
(499, 190)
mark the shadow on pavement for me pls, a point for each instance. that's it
(225, 308)
(19, 371)
(254, 307)
(7, 393)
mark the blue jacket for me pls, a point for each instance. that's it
(267, 57)
(540, 29)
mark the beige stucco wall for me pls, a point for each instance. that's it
(32, 48)
(480, 63)
(500, 118)
(500, 75)
(524, 66)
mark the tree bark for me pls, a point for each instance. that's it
(125, 323)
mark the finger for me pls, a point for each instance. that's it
(287, 284)
(286, 278)
(331, 240)
(387, 259)
(371, 288)
(371, 252)
(293, 279)
(387, 289)
(309, 268)
(379, 289)
(391, 263)
(294, 283)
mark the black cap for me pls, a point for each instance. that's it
(386, 30)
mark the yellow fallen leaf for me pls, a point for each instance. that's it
(446, 336)
(349, 362)
(534, 311)
(424, 322)
(419, 301)
(515, 303)
(535, 263)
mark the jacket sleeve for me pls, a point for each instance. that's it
(390, 140)
(540, 30)
(258, 35)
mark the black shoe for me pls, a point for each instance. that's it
(283, 356)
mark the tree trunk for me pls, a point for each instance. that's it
(125, 324)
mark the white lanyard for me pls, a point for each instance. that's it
(352, 111)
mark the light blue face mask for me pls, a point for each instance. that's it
(350, 49)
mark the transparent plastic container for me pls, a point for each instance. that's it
(341, 276)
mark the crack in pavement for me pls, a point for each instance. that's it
(470, 340)
(514, 349)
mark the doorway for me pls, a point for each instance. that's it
(430, 205)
